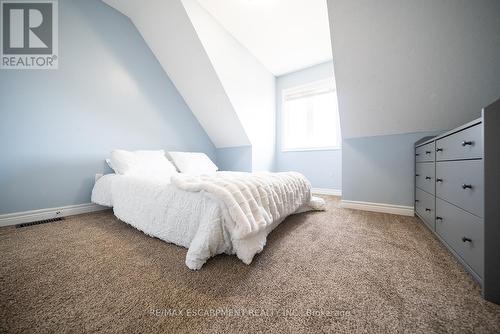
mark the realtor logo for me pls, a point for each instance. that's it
(29, 34)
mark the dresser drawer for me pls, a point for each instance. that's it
(424, 176)
(465, 144)
(425, 152)
(424, 205)
(463, 232)
(461, 183)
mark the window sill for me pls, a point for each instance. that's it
(337, 148)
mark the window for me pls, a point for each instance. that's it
(310, 117)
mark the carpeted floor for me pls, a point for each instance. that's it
(341, 270)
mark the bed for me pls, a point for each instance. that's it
(223, 212)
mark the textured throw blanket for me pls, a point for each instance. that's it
(254, 200)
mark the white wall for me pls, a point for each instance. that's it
(405, 66)
(248, 84)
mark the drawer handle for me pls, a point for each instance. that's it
(417, 175)
(439, 180)
(428, 152)
(439, 218)
(428, 210)
(428, 177)
(439, 150)
(417, 154)
(466, 186)
(416, 201)
(467, 143)
(464, 239)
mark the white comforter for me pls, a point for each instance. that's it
(227, 213)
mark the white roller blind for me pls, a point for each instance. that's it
(310, 117)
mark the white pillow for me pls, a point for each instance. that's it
(108, 161)
(101, 193)
(142, 163)
(193, 163)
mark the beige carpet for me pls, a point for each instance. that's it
(320, 272)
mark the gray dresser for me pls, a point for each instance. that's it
(457, 195)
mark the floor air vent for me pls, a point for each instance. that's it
(45, 221)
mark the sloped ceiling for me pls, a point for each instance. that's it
(248, 84)
(168, 31)
(408, 66)
(285, 35)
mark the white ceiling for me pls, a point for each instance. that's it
(284, 35)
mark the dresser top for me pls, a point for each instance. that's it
(427, 140)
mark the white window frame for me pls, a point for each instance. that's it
(300, 88)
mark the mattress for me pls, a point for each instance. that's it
(194, 220)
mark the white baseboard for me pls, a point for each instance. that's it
(327, 191)
(35, 215)
(379, 207)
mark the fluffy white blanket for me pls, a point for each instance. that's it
(256, 200)
(228, 213)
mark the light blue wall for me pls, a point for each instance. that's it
(323, 167)
(237, 159)
(57, 127)
(380, 169)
